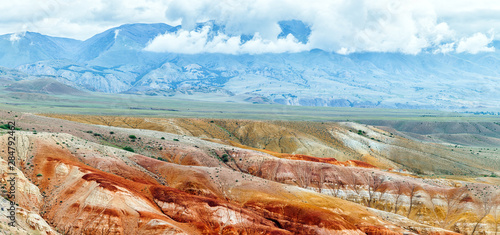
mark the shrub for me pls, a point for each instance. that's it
(132, 137)
(176, 139)
(97, 134)
(7, 127)
(162, 159)
(225, 157)
(162, 138)
(128, 149)
(39, 175)
(111, 132)
(90, 132)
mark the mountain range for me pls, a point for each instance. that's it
(115, 61)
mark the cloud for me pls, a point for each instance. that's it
(445, 48)
(475, 44)
(343, 26)
(199, 41)
(78, 19)
(468, 18)
(15, 37)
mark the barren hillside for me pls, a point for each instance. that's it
(194, 176)
(340, 140)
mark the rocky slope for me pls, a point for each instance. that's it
(78, 180)
(343, 141)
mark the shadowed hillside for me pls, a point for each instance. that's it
(46, 86)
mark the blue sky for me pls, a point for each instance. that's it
(409, 27)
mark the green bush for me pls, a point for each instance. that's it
(39, 175)
(176, 139)
(128, 149)
(225, 157)
(7, 127)
(132, 137)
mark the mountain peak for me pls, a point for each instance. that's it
(297, 28)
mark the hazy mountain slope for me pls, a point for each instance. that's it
(297, 28)
(115, 61)
(30, 47)
(7, 75)
(47, 86)
(83, 77)
(325, 79)
(125, 37)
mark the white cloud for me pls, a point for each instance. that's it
(468, 18)
(344, 51)
(342, 26)
(78, 19)
(15, 37)
(336, 25)
(475, 44)
(198, 41)
(445, 48)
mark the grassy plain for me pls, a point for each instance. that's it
(166, 107)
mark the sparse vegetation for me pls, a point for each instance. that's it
(162, 159)
(8, 127)
(130, 149)
(322, 179)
